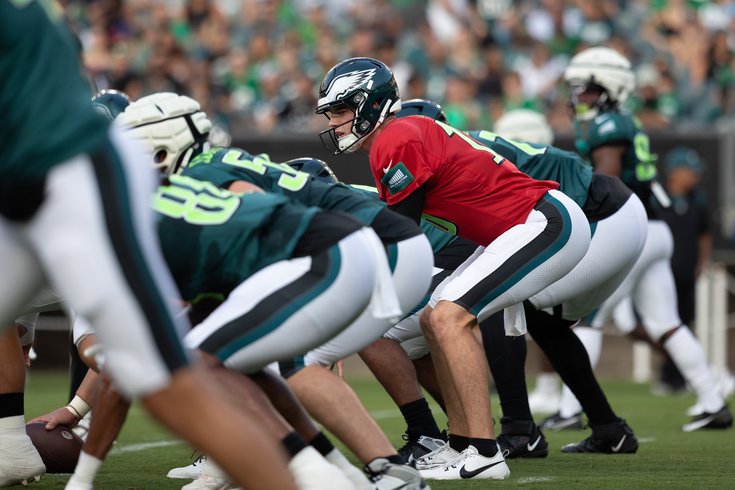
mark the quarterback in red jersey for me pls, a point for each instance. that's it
(530, 236)
(470, 190)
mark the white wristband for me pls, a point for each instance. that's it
(78, 407)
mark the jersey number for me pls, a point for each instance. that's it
(474, 144)
(645, 169)
(290, 179)
(194, 201)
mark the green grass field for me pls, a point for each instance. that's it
(667, 458)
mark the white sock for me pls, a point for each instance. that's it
(14, 423)
(86, 470)
(688, 356)
(591, 338)
(546, 383)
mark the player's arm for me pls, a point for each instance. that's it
(412, 205)
(71, 414)
(243, 187)
(608, 159)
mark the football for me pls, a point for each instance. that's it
(59, 448)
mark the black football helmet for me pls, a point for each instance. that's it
(422, 107)
(314, 167)
(110, 102)
(365, 86)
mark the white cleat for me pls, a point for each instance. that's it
(19, 460)
(188, 472)
(439, 457)
(312, 472)
(211, 478)
(399, 477)
(471, 465)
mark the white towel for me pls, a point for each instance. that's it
(384, 303)
(515, 320)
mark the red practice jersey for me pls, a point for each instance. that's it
(470, 190)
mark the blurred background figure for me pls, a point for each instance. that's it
(688, 218)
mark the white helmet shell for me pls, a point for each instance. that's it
(604, 67)
(170, 126)
(524, 125)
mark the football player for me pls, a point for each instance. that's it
(530, 234)
(600, 81)
(74, 213)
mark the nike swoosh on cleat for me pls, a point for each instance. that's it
(697, 424)
(463, 473)
(616, 448)
(531, 447)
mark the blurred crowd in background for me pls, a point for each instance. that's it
(256, 64)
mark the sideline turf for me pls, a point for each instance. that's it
(667, 457)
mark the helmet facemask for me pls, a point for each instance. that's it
(581, 103)
(604, 71)
(360, 127)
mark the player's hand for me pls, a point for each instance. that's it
(60, 416)
(340, 369)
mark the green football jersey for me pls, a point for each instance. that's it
(615, 128)
(543, 163)
(222, 166)
(213, 240)
(46, 113)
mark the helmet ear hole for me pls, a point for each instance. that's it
(160, 156)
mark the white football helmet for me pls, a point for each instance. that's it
(524, 125)
(172, 127)
(604, 68)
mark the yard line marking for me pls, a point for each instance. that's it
(646, 440)
(385, 414)
(134, 448)
(534, 479)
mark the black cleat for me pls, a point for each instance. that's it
(557, 422)
(613, 438)
(522, 439)
(721, 419)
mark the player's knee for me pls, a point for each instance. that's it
(447, 319)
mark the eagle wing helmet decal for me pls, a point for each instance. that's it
(347, 83)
